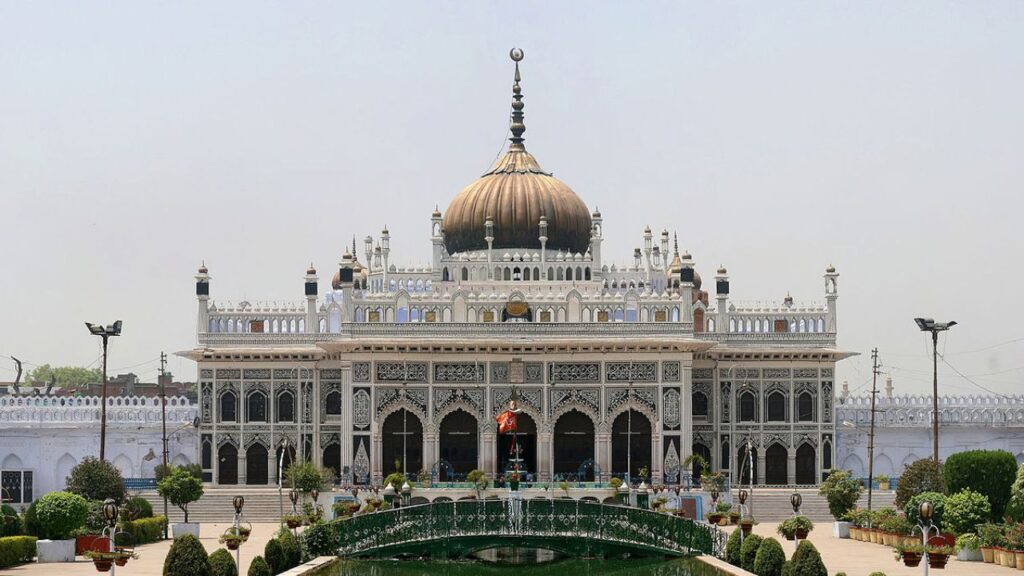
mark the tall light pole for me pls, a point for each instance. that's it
(104, 333)
(163, 424)
(930, 325)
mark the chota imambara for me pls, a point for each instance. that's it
(616, 370)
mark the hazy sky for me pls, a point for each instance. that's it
(886, 138)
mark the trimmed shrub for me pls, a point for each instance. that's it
(876, 574)
(965, 510)
(17, 550)
(259, 567)
(924, 475)
(990, 473)
(748, 551)
(841, 491)
(94, 521)
(732, 548)
(94, 479)
(136, 507)
(60, 513)
(222, 564)
(187, 557)
(769, 558)
(10, 522)
(320, 540)
(787, 568)
(291, 548)
(275, 557)
(145, 530)
(938, 502)
(807, 561)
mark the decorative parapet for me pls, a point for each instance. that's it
(121, 410)
(916, 411)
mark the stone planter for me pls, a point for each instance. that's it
(180, 529)
(841, 529)
(965, 555)
(883, 485)
(56, 550)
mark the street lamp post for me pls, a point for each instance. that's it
(743, 500)
(796, 500)
(238, 502)
(930, 325)
(104, 333)
(925, 512)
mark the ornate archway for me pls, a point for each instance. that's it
(776, 459)
(631, 444)
(227, 464)
(459, 440)
(522, 448)
(402, 442)
(805, 464)
(256, 464)
(573, 443)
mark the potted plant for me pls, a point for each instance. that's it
(747, 525)
(91, 531)
(513, 481)
(883, 481)
(295, 520)
(938, 556)
(181, 488)
(841, 491)
(232, 538)
(100, 559)
(911, 554)
(796, 528)
(734, 516)
(968, 548)
(989, 536)
(59, 515)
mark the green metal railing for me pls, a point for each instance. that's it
(573, 527)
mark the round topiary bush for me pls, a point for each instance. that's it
(938, 502)
(748, 551)
(919, 476)
(999, 471)
(259, 567)
(136, 507)
(187, 557)
(10, 522)
(732, 548)
(872, 574)
(31, 522)
(320, 540)
(965, 510)
(769, 558)
(291, 548)
(95, 479)
(60, 513)
(807, 561)
(222, 564)
(275, 557)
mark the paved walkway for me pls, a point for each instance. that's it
(151, 556)
(862, 558)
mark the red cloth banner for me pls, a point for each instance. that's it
(506, 421)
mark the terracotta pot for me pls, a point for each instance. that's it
(1018, 556)
(854, 533)
(801, 534)
(883, 485)
(887, 538)
(911, 559)
(121, 561)
(1011, 558)
(937, 561)
(723, 521)
(876, 536)
(87, 542)
(293, 523)
(999, 556)
(791, 537)
(102, 564)
(233, 544)
(747, 529)
(988, 555)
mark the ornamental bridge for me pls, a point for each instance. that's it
(570, 527)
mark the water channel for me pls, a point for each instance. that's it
(525, 565)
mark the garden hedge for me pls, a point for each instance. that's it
(965, 510)
(10, 522)
(320, 540)
(145, 530)
(769, 559)
(136, 507)
(988, 472)
(748, 551)
(290, 547)
(919, 476)
(187, 557)
(17, 550)
(222, 563)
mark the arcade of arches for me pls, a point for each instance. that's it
(777, 467)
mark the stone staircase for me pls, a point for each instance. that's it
(261, 505)
(772, 504)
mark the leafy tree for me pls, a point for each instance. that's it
(998, 470)
(222, 564)
(320, 540)
(769, 558)
(65, 376)
(841, 491)
(924, 475)
(965, 510)
(396, 479)
(95, 479)
(1015, 509)
(181, 488)
(305, 477)
(160, 472)
(136, 507)
(748, 551)
(807, 561)
(187, 557)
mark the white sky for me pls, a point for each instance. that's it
(138, 138)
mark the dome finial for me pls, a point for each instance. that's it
(675, 244)
(518, 128)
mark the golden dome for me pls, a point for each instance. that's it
(514, 195)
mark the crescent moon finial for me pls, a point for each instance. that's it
(516, 54)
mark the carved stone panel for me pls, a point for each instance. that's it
(530, 397)
(401, 371)
(588, 398)
(361, 408)
(361, 461)
(670, 412)
(360, 371)
(574, 372)
(631, 371)
(642, 397)
(670, 372)
(458, 372)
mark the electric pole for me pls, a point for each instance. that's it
(163, 422)
(871, 432)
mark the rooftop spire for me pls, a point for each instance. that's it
(517, 106)
(675, 244)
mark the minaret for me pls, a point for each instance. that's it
(312, 326)
(385, 249)
(437, 241)
(648, 237)
(518, 127)
(346, 277)
(542, 225)
(686, 281)
(664, 249)
(368, 249)
(489, 238)
(831, 295)
(203, 296)
(722, 288)
(595, 242)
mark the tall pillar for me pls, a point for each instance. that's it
(429, 448)
(241, 465)
(545, 465)
(791, 466)
(686, 410)
(603, 452)
(376, 455)
(485, 458)
(759, 479)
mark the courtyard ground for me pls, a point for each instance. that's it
(151, 556)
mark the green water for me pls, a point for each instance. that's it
(567, 567)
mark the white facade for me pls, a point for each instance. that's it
(43, 437)
(903, 429)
